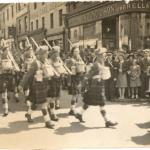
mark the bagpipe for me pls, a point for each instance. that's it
(61, 69)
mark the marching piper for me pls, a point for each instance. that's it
(95, 90)
(7, 78)
(78, 69)
(55, 82)
(37, 80)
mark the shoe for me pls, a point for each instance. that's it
(54, 117)
(5, 115)
(57, 107)
(49, 125)
(71, 112)
(132, 97)
(79, 117)
(29, 119)
(110, 124)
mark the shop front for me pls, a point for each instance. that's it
(116, 25)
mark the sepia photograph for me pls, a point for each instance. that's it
(74, 74)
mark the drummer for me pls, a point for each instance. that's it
(7, 78)
(78, 68)
(95, 93)
(37, 80)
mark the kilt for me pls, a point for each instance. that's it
(93, 96)
(54, 87)
(38, 92)
(75, 81)
(7, 81)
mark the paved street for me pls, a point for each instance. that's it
(132, 130)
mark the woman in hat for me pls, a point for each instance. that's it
(135, 81)
(7, 78)
(37, 80)
(77, 67)
(95, 91)
(122, 76)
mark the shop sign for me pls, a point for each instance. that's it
(109, 10)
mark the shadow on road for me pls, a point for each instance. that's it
(145, 125)
(142, 140)
(74, 127)
(20, 126)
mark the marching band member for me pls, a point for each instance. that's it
(78, 68)
(95, 92)
(6, 78)
(55, 82)
(37, 80)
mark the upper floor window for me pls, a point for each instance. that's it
(12, 11)
(43, 22)
(35, 5)
(37, 24)
(43, 3)
(8, 14)
(60, 18)
(19, 26)
(51, 20)
(25, 23)
(32, 25)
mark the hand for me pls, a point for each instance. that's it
(115, 79)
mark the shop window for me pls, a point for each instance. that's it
(124, 32)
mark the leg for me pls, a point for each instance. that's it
(107, 122)
(120, 95)
(57, 103)
(51, 109)
(73, 105)
(46, 117)
(123, 93)
(29, 111)
(136, 92)
(79, 115)
(132, 89)
(5, 102)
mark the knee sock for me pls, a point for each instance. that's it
(103, 113)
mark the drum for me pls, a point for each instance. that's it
(7, 64)
(105, 73)
(39, 75)
(80, 67)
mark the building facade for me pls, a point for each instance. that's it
(47, 21)
(8, 20)
(114, 25)
(22, 22)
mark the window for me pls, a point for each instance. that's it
(19, 26)
(37, 24)
(43, 3)
(60, 17)
(35, 5)
(74, 5)
(25, 23)
(32, 26)
(8, 14)
(3, 17)
(51, 20)
(19, 6)
(43, 22)
(12, 11)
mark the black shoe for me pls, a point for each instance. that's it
(49, 125)
(79, 117)
(72, 113)
(29, 119)
(110, 124)
(5, 115)
(57, 107)
(54, 117)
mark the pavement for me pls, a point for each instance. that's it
(132, 130)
